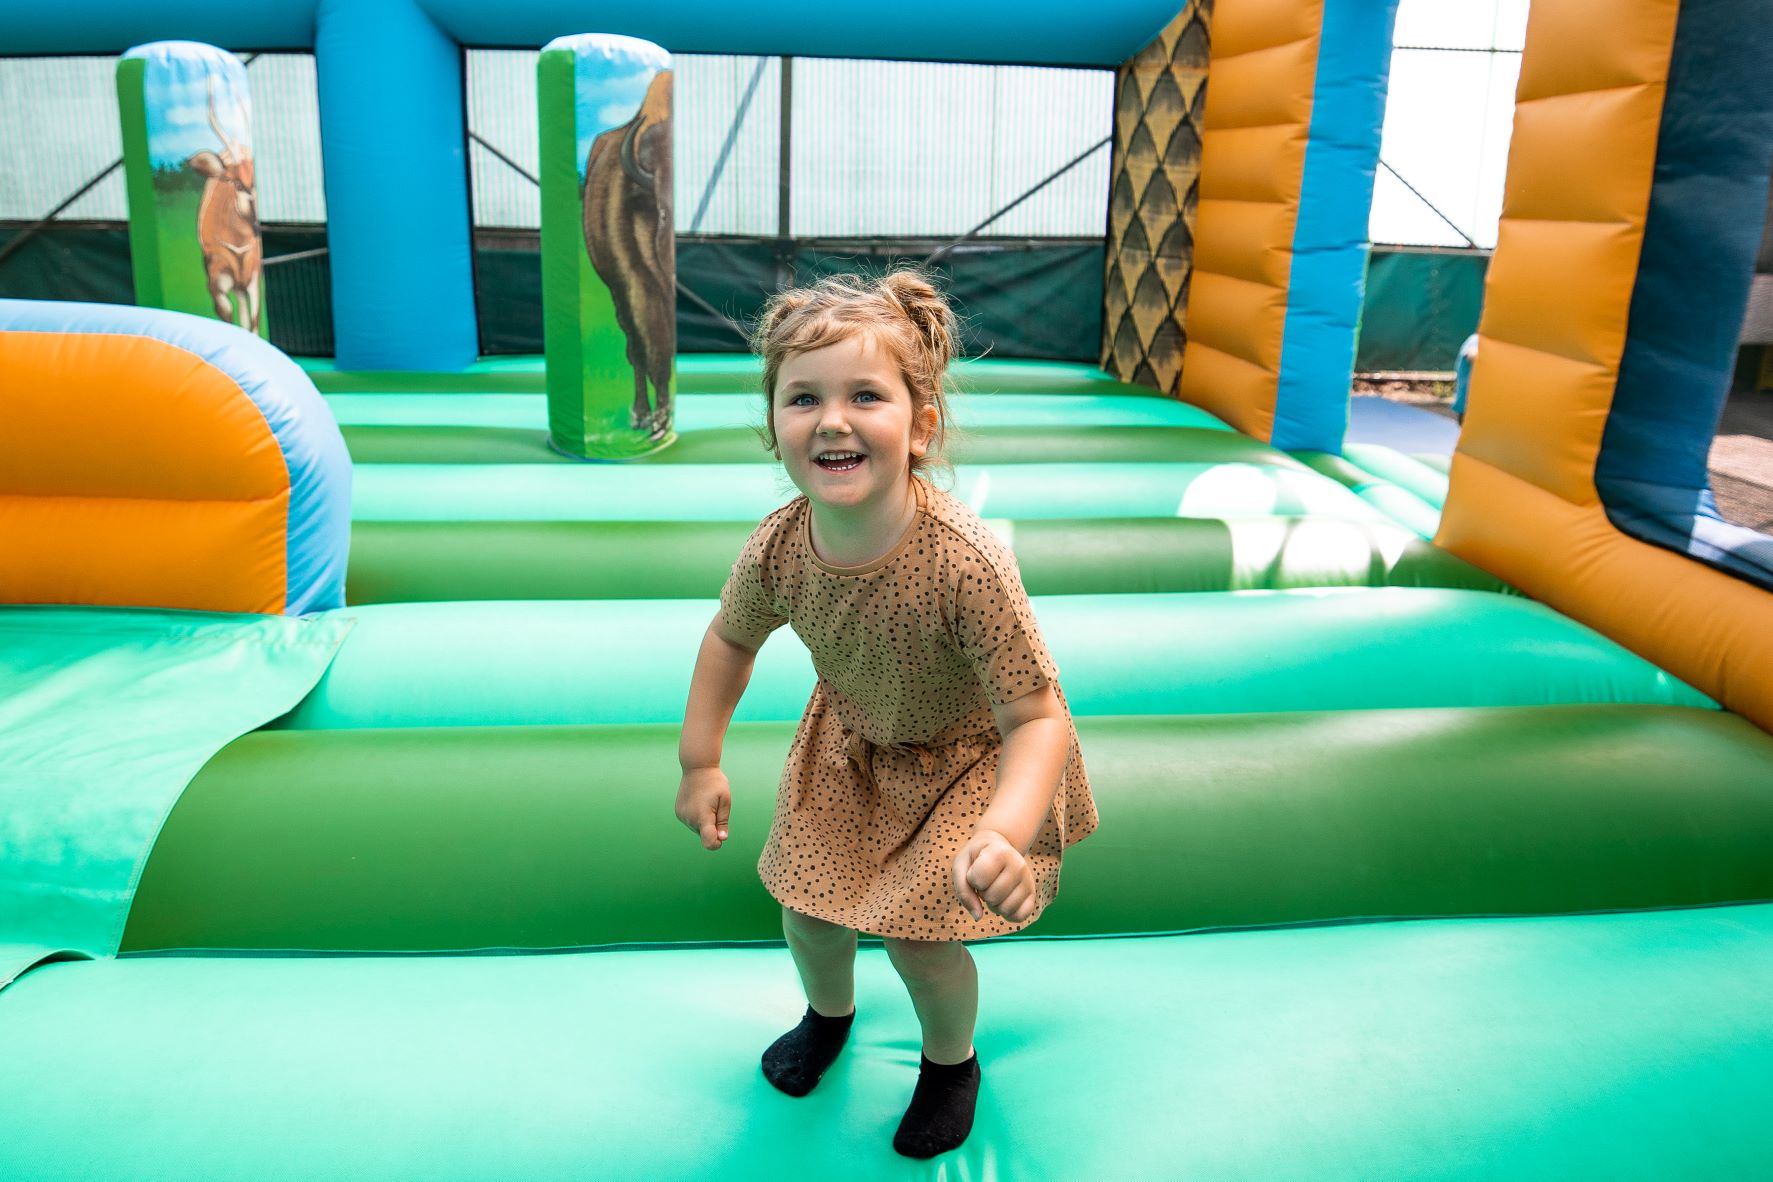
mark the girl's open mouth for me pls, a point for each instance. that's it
(839, 461)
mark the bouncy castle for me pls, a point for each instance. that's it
(339, 695)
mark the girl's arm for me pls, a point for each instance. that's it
(992, 870)
(1036, 743)
(723, 669)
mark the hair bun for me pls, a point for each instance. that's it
(928, 312)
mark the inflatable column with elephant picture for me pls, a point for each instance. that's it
(609, 269)
(193, 209)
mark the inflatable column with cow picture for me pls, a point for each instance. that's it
(609, 269)
(193, 210)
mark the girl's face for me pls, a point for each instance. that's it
(845, 425)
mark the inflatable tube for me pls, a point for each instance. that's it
(553, 837)
(417, 561)
(605, 112)
(732, 373)
(607, 661)
(1050, 32)
(747, 492)
(394, 150)
(1406, 472)
(1327, 277)
(703, 412)
(1400, 504)
(740, 445)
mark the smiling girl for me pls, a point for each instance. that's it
(935, 779)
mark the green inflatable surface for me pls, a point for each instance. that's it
(1332, 753)
(747, 492)
(471, 838)
(722, 373)
(1404, 471)
(557, 661)
(416, 561)
(1398, 502)
(105, 714)
(708, 412)
(741, 445)
(1619, 1046)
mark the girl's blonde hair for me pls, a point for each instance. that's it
(902, 310)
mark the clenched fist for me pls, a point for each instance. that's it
(990, 872)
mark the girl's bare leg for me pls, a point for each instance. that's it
(825, 955)
(944, 987)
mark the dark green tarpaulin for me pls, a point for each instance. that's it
(1020, 298)
(1420, 305)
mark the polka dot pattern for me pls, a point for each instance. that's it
(895, 759)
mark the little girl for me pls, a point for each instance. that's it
(935, 778)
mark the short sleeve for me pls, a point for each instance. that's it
(994, 624)
(747, 602)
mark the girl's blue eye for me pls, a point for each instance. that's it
(801, 399)
(868, 394)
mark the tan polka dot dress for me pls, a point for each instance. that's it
(895, 759)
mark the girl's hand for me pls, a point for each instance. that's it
(993, 872)
(704, 800)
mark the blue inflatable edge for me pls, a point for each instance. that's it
(318, 535)
(1701, 233)
(1329, 266)
(396, 176)
(1040, 32)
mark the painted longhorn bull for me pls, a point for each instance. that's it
(228, 227)
(629, 236)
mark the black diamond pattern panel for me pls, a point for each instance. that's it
(1155, 183)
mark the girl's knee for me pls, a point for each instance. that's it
(926, 960)
(807, 927)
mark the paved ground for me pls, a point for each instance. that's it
(1741, 460)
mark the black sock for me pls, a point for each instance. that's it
(941, 1111)
(795, 1061)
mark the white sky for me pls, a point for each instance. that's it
(1447, 119)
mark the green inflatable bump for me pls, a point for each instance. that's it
(718, 373)
(416, 561)
(1402, 470)
(553, 837)
(1156, 554)
(705, 412)
(457, 839)
(1438, 463)
(421, 444)
(1396, 502)
(1253, 820)
(602, 661)
(747, 492)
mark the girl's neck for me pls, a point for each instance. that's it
(859, 535)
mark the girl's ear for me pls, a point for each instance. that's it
(923, 430)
